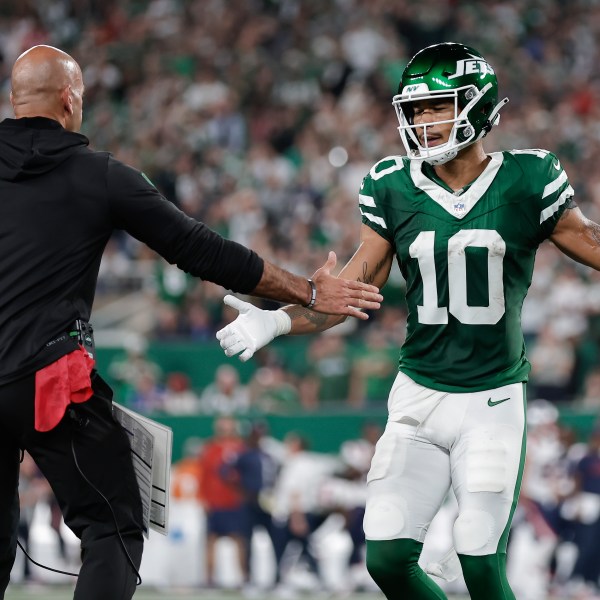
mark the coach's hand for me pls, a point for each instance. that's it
(343, 296)
(253, 328)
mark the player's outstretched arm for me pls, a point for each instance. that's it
(255, 328)
(330, 295)
(370, 264)
(578, 237)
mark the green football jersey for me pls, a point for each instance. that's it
(467, 258)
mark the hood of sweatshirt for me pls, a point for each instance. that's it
(31, 146)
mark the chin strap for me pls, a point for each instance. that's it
(494, 118)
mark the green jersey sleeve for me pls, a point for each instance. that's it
(377, 194)
(549, 187)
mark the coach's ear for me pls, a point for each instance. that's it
(66, 97)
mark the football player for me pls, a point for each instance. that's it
(464, 226)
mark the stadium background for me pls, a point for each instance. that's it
(261, 118)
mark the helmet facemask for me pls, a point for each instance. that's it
(469, 122)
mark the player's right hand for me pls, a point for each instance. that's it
(253, 328)
(337, 296)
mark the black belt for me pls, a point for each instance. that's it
(85, 336)
(82, 332)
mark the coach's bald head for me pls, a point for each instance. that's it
(47, 82)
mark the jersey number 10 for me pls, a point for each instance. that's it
(423, 250)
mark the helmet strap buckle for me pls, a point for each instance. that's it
(494, 116)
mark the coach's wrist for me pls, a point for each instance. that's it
(312, 298)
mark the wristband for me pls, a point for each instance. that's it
(313, 294)
(283, 323)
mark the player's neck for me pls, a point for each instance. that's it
(465, 168)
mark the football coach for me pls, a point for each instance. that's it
(59, 204)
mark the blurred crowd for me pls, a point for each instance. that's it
(245, 480)
(242, 484)
(327, 372)
(260, 117)
(249, 480)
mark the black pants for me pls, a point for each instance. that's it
(102, 451)
(587, 565)
(254, 516)
(283, 535)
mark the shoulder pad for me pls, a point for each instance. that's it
(542, 158)
(387, 165)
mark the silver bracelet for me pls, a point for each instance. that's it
(313, 294)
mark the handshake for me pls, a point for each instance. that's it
(255, 328)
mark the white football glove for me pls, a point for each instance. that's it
(253, 328)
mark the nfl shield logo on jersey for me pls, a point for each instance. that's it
(458, 208)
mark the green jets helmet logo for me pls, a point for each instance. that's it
(470, 66)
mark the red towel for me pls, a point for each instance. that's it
(60, 383)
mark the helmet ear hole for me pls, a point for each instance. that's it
(487, 108)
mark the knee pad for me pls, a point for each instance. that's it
(385, 517)
(473, 532)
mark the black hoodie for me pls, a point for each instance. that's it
(59, 204)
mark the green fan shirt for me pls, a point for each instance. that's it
(467, 258)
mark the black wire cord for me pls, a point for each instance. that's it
(44, 566)
(112, 512)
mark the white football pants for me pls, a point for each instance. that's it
(474, 442)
